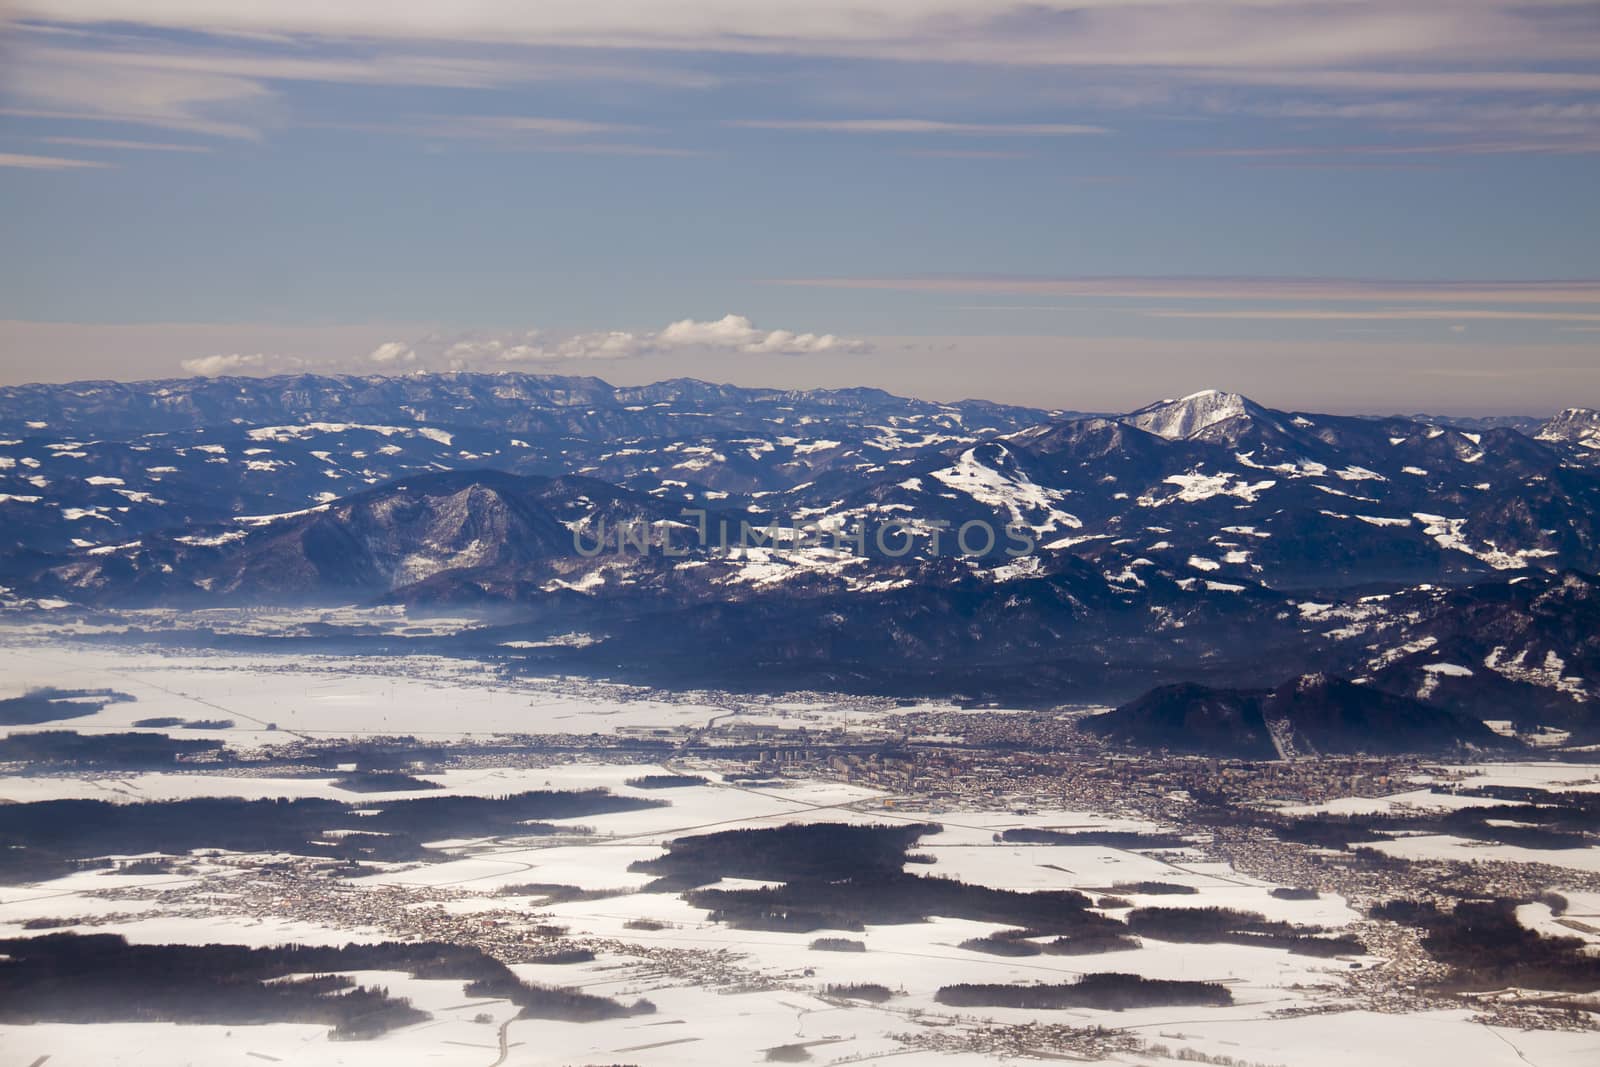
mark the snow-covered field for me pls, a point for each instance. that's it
(430, 697)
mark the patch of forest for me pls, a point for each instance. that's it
(556, 892)
(49, 704)
(870, 992)
(46, 838)
(809, 852)
(1555, 820)
(1107, 991)
(120, 751)
(1124, 839)
(994, 945)
(842, 877)
(1228, 926)
(667, 781)
(382, 782)
(1487, 948)
(1294, 893)
(1083, 943)
(887, 899)
(95, 978)
(1151, 889)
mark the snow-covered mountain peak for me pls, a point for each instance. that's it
(1573, 424)
(1177, 419)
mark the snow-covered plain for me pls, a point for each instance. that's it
(429, 697)
(780, 998)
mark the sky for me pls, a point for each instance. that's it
(1334, 205)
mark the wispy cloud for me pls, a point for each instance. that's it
(1174, 33)
(84, 85)
(579, 148)
(234, 93)
(503, 124)
(729, 334)
(876, 126)
(1447, 77)
(1243, 289)
(238, 363)
(1301, 154)
(1382, 314)
(522, 132)
(964, 153)
(27, 162)
(133, 146)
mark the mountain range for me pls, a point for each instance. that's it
(845, 539)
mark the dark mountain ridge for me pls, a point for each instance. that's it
(1311, 715)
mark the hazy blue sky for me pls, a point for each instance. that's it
(1087, 203)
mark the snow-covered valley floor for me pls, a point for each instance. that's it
(722, 995)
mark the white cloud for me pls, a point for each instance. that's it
(392, 352)
(212, 366)
(257, 363)
(738, 333)
(875, 126)
(731, 333)
(133, 146)
(531, 346)
(27, 162)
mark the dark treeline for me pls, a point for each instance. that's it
(37, 838)
(1294, 893)
(1558, 821)
(52, 705)
(1001, 946)
(837, 944)
(102, 978)
(868, 991)
(1125, 839)
(564, 956)
(556, 893)
(1082, 943)
(666, 781)
(1225, 925)
(121, 751)
(1090, 943)
(815, 852)
(553, 1002)
(854, 903)
(1487, 948)
(1025, 943)
(843, 877)
(382, 782)
(1110, 991)
(1155, 888)
(1527, 794)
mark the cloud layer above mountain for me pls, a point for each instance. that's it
(489, 350)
